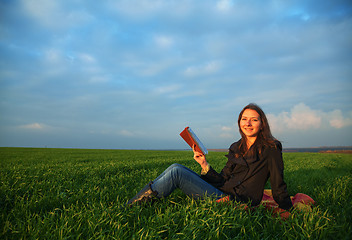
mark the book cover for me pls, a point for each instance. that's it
(191, 138)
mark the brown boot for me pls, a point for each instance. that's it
(144, 195)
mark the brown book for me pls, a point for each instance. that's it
(191, 138)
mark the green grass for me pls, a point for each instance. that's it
(80, 194)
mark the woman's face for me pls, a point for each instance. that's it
(250, 123)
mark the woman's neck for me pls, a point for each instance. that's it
(250, 141)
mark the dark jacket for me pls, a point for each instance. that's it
(244, 178)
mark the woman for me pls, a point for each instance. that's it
(251, 161)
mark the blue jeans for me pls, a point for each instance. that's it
(179, 176)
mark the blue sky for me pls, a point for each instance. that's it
(133, 74)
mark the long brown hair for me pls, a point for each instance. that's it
(264, 138)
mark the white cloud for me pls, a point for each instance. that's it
(137, 9)
(43, 11)
(143, 9)
(53, 56)
(99, 79)
(54, 14)
(300, 14)
(126, 133)
(224, 5)
(301, 118)
(205, 69)
(86, 58)
(167, 89)
(147, 69)
(187, 93)
(337, 120)
(226, 129)
(164, 41)
(227, 132)
(35, 126)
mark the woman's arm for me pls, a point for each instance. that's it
(208, 173)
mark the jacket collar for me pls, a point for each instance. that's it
(241, 160)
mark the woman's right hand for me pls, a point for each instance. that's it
(199, 157)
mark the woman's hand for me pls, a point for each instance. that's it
(200, 158)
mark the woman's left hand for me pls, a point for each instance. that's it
(200, 158)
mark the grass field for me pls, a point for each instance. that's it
(80, 194)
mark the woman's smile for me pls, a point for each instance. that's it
(250, 123)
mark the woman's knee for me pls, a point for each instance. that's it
(176, 165)
(180, 170)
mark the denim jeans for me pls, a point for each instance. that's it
(179, 176)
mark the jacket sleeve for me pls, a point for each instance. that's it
(218, 179)
(213, 177)
(276, 171)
